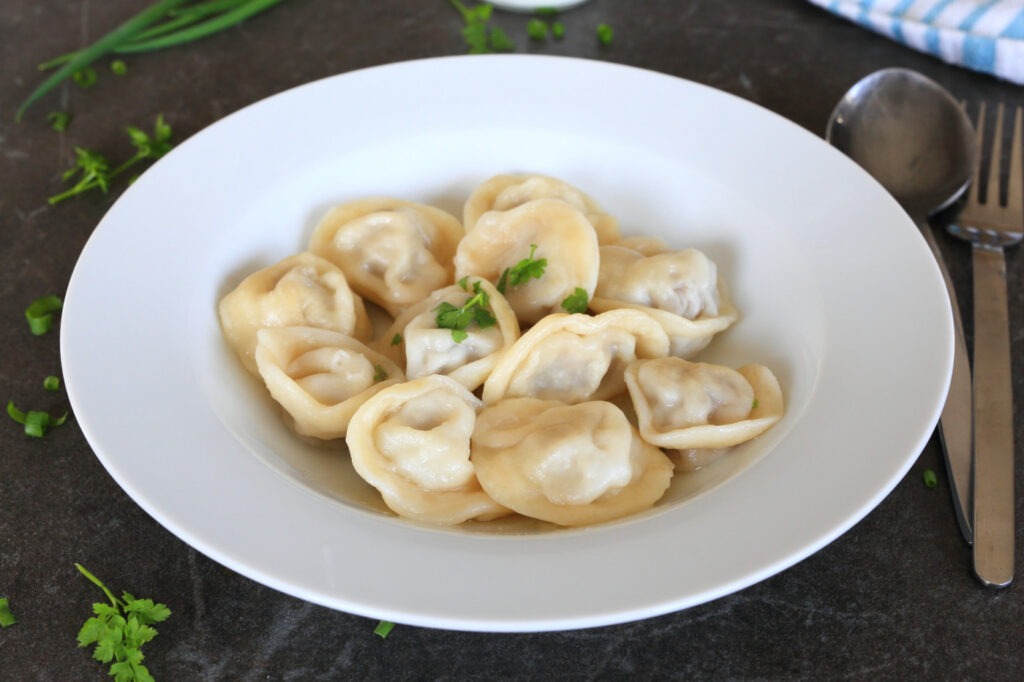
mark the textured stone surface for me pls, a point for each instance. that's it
(893, 598)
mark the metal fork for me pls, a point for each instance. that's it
(991, 226)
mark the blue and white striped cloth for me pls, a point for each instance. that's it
(986, 36)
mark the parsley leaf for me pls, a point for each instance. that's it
(480, 37)
(379, 374)
(7, 618)
(396, 340)
(93, 170)
(526, 269)
(119, 629)
(577, 301)
(476, 310)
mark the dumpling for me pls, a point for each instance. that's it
(394, 252)
(571, 465)
(683, 405)
(320, 377)
(681, 289)
(303, 289)
(411, 442)
(504, 192)
(575, 358)
(467, 355)
(544, 229)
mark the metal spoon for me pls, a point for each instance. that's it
(914, 138)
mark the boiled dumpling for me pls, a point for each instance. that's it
(683, 405)
(507, 191)
(575, 358)
(303, 289)
(571, 465)
(320, 377)
(681, 289)
(394, 252)
(468, 354)
(411, 442)
(543, 229)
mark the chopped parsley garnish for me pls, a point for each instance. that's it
(479, 35)
(577, 301)
(40, 313)
(36, 422)
(605, 34)
(383, 628)
(119, 630)
(59, 120)
(7, 618)
(379, 374)
(526, 269)
(476, 310)
(537, 29)
(753, 405)
(93, 170)
(396, 340)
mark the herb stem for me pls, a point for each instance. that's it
(103, 46)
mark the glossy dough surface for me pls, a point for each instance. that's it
(411, 441)
(680, 289)
(685, 405)
(571, 465)
(415, 341)
(563, 237)
(394, 252)
(507, 191)
(320, 377)
(575, 358)
(303, 289)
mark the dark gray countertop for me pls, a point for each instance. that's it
(894, 598)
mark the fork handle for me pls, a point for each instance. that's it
(993, 422)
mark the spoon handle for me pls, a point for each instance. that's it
(956, 423)
(993, 420)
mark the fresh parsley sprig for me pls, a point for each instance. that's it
(92, 170)
(577, 301)
(163, 24)
(526, 269)
(476, 310)
(119, 629)
(477, 31)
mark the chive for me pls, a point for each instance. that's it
(36, 422)
(7, 618)
(396, 339)
(118, 67)
(605, 34)
(85, 77)
(379, 374)
(225, 20)
(160, 25)
(383, 628)
(930, 479)
(557, 29)
(51, 383)
(40, 313)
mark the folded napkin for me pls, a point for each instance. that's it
(986, 36)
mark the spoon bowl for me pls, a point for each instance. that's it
(910, 134)
(915, 139)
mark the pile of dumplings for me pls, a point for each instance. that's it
(526, 405)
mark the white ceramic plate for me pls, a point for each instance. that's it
(837, 291)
